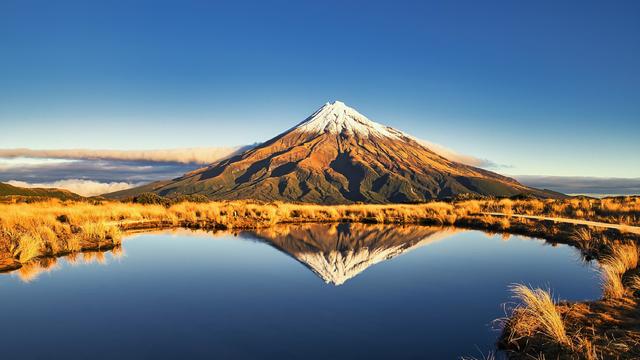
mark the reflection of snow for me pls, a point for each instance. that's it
(339, 252)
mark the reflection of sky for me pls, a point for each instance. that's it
(194, 296)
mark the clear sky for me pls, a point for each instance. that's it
(545, 87)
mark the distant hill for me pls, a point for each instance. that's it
(338, 156)
(7, 190)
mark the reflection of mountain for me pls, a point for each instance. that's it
(334, 252)
(339, 252)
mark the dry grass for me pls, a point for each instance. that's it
(616, 210)
(30, 231)
(612, 287)
(623, 257)
(536, 315)
(33, 230)
(634, 283)
(582, 235)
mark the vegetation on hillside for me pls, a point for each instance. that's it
(11, 193)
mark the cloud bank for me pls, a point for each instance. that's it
(78, 186)
(97, 170)
(91, 176)
(200, 155)
(583, 185)
(461, 158)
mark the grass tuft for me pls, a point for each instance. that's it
(612, 287)
(537, 314)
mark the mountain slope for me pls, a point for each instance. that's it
(10, 190)
(338, 156)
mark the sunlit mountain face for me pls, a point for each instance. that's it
(338, 156)
(339, 252)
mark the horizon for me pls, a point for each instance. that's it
(516, 88)
(45, 168)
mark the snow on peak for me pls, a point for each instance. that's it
(336, 118)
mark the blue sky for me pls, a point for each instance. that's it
(544, 87)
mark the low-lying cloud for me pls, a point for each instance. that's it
(461, 158)
(104, 171)
(583, 185)
(78, 186)
(199, 155)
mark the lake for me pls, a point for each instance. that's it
(312, 291)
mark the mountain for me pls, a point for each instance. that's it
(339, 252)
(338, 156)
(7, 190)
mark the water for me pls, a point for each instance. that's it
(301, 292)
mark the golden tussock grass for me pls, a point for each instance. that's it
(622, 258)
(582, 235)
(536, 315)
(616, 210)
(612, 287)
(33, 230)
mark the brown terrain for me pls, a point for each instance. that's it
(338, 156)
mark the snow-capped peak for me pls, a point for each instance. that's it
(336, 118)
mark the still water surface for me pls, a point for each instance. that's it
(299, 292)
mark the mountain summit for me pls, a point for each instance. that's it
(338, 118)
(338, 156)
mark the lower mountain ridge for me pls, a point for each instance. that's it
(7, 190)
(338, 156)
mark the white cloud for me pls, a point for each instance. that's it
(78, 186)
(17, 162)
(447, 153)
(584, 185)
(201, 155)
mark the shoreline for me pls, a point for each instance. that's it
(605, 317)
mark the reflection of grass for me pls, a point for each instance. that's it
(31, 270)
(33, 230)
(606, 326)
